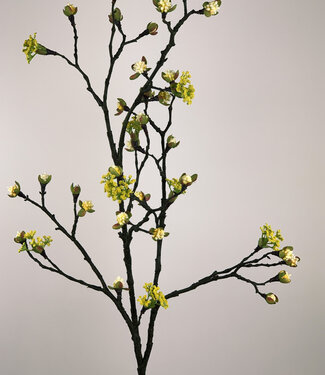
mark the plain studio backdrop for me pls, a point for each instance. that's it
(255, 136)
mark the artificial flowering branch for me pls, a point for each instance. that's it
(140, 126)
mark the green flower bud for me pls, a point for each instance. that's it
(44, 178)
(121, 104)
(284, 277)
(152, 27)
(75, 189)
(117, 15)
(171, 142)
(20, 237)
(118, 283)
(115, 171)
(271, 299)
(70, 10)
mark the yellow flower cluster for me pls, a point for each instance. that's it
(269, 238)
(31, 48)
(37, 244)
(154, 296)
(117, 189)
(41, 242)
(185, 88)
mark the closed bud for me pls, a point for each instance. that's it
(152, 28)
(284, 277)
(20, 237)
(271, 299)
(115, 170)
(70, 10)
(172, 142)
(185, 180)
(118, 283)
(75, 189)
(117, 16)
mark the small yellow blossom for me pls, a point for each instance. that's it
(14, 190)
(211, 8)
(158, 234)
(139, 67)
(164, 6)
(154, 296)
(122, 218)
(87, 205)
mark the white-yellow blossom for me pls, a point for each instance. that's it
(164, 5)
(140, 67)
(122, 218)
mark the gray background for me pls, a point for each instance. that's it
(255, 136)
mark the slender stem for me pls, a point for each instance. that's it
(75, 34)
(74, 240)
(76, 218)
(57, 270)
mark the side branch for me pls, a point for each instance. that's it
(57, 270)
(74, 240)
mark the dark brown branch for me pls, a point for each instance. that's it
(74, 240)
(57, 270)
